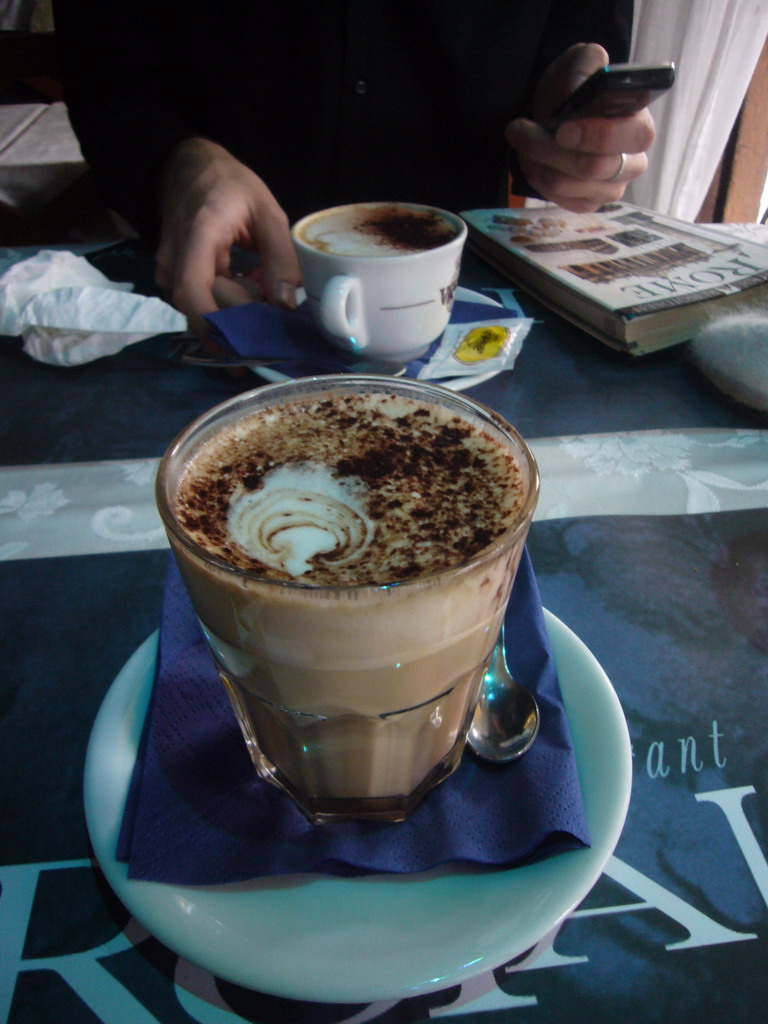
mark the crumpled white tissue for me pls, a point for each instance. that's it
(69, 313)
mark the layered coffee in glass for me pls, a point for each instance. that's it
(349, 544)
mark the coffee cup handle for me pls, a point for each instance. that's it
(341, 311)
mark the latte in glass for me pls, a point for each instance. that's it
(349, 545)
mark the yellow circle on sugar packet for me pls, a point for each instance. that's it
(482, 343)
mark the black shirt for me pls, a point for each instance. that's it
(328, 101)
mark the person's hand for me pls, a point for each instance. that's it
(588, 161)
(210, 202)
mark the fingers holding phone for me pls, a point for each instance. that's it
(593, 127)
(614, 91)
(610, 109)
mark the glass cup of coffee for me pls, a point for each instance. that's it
(349, 544)
(380, 278)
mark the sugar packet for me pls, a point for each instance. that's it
(485, 346)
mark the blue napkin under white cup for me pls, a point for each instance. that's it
(257, 330)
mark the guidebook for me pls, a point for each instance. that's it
(635, 279)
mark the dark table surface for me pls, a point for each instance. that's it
(668, 591)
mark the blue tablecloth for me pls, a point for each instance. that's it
(673, 606)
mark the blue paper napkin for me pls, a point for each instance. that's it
(197, 813)
(260, 331)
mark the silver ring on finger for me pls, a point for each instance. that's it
(619, 169)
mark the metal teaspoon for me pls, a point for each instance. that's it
(506, 720)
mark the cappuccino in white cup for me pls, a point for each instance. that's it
(380, 278)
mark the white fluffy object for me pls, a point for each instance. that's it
(732, 351)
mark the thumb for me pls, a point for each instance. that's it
(565, 74)
(280, 274)
(584, 60)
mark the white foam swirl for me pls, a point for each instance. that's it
(300, 512)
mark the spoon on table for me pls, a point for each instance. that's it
(506, 720)
(191, 351)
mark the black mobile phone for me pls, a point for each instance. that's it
(617, 90)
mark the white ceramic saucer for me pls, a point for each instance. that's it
(454, 383)
(325, 939)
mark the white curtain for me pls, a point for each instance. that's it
(715, 45)
(26, 16)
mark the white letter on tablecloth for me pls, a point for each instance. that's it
(101, 992)
(702, 930)
(730, 803)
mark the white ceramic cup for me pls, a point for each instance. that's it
(380, 278)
